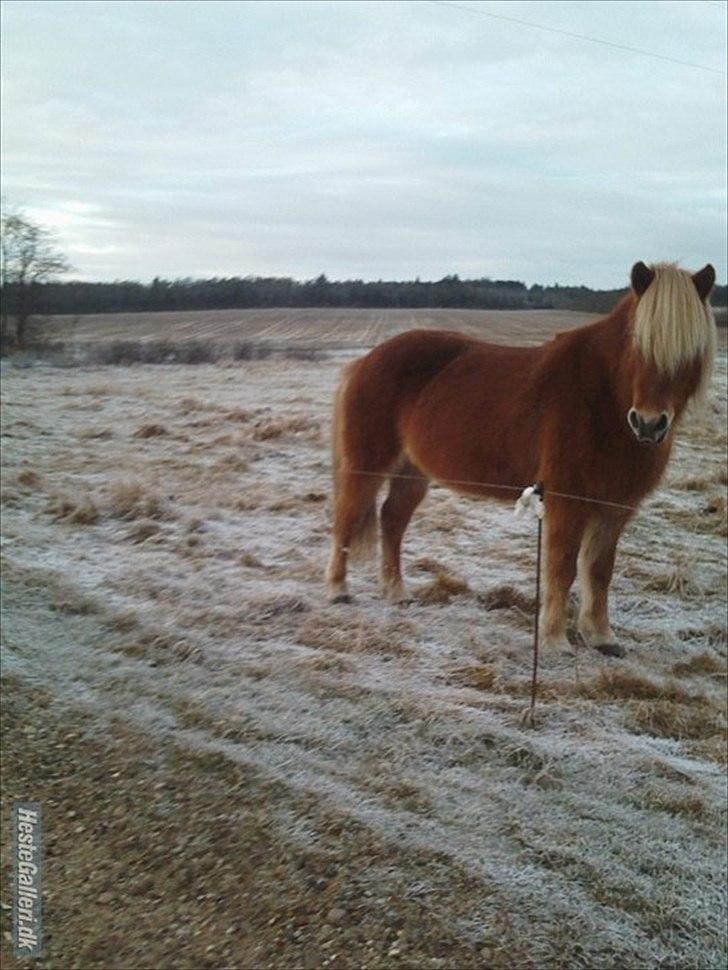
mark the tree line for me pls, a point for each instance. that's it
(236, 292)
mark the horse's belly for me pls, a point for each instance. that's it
(473, 441)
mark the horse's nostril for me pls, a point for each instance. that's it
(662, 422)
(633, 419)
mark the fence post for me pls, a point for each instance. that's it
(538, 490)
(531, 501)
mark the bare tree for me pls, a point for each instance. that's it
(28, 257)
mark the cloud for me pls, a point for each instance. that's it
(366, 139)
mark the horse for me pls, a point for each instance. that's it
(591, 415)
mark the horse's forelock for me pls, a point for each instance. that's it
(673, 328)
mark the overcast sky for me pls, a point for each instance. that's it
(368, 139)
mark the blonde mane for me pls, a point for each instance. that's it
(672, 326)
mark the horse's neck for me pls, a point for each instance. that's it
(597, 356)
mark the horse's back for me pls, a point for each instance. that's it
(415, 357)
(427, 384)
(416, 354)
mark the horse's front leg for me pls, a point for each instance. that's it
(595, 567)
(564, 530)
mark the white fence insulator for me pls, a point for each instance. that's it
(530, 503)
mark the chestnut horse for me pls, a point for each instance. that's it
(590, 413)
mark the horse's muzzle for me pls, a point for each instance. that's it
(650, 430)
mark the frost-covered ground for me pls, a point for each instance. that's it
(165, 530)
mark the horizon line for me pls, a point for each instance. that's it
(331, 280)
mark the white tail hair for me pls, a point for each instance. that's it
(672, 326)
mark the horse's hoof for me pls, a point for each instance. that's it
(611, 649)
(341, 598)
(395, 594)
(555, 644)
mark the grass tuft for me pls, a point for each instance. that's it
(480, 676)
(150, 431)
(73, 510)
(700, 663)
(679, 579)
(132, 500)
(441, 590)
(626, 684)
(507, 597)
(661, 798)
(144, 530)
(29, 479)
(300, 425)
(665, 718)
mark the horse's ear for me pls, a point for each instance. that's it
(704, 280)
(641, 277)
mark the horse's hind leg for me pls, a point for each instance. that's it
(354, 527)
(405, 494)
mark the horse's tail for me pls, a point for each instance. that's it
(337, 428)
(349, 496)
